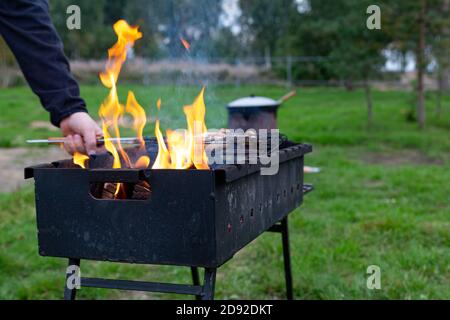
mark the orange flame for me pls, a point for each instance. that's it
(186, 44)
(142, 163)
(163, 159)
(186, 147)
(111, 110)
(158, 104)
(179, 149)
(195, 116)
(80, 159)
(126, 37)
(139, 118)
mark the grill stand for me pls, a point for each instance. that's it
(282, 228)
(201, 292)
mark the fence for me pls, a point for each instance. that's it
(288, 71)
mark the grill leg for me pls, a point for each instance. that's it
(209, 284)
(287, 258)
(70, 294)
(195, 280)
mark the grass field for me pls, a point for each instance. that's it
(382, 198)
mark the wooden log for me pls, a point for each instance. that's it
(109, 190)
(141, 191)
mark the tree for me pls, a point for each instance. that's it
(94, 37)
(440, 48)
(417, 26)
(140, 12)
(226, 44)
(357, 52)
(265, 22)
(336, 30)
(421, 64)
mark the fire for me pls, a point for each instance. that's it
(142, 163)
(163, 159)
(139, 121)
(139, 118)
(111, 109)
(195, 116)
(126, 37)
(80, 159)
(185, 147)
(186, 44)
(179, 149)
(182, 149)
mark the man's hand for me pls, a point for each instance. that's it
(81, 133)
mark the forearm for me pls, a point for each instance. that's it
(27, 28)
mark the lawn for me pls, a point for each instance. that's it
(382, 198)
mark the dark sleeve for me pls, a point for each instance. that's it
(27, 28)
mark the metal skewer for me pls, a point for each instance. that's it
(100, 141)
(214, 138)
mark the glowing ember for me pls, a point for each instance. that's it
(186, 44)
(158, 104)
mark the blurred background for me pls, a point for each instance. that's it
(292, 42)
(374, 103)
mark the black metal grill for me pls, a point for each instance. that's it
(196, 218)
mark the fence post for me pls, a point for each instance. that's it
(289, 71)
(267, 59)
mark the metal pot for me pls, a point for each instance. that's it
(255, 112)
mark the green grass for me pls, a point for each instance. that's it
(382, 198)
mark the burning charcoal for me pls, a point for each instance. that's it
(141, 191)
(109, 189)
